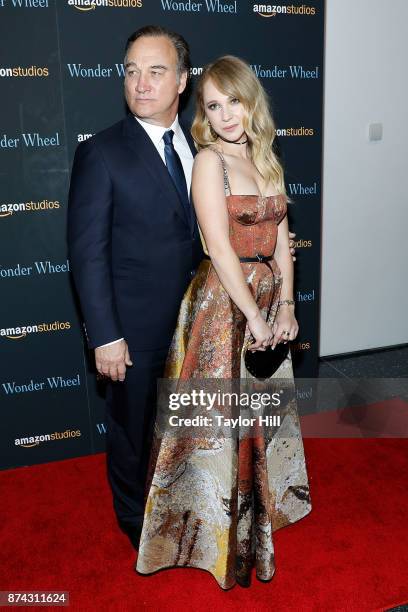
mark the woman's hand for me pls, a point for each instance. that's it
(292, 244)
(285, 321)
(261, 332)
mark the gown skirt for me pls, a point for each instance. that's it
(214, 501)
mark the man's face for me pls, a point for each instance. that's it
(152, 88)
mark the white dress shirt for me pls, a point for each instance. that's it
(156, 133)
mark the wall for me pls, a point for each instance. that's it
(364, 299)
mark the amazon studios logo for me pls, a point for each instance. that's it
(24, 71)
(22, 331)
(91, 5)
(36, 440)
(272, 10)
(9, 208)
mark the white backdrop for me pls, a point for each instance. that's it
(364, 301)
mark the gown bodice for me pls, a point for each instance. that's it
(253, 223)
(253, 220)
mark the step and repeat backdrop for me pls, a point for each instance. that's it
(61, 81)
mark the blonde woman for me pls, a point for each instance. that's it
(214, 502)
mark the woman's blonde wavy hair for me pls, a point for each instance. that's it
(235, 78)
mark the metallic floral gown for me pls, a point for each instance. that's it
(213, 502)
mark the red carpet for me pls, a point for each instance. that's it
(383, 419)
(350, 553)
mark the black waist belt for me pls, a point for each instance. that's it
(257, 259)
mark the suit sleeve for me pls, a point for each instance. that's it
(90, 208)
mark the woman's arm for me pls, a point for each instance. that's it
(284, 259)
(211, 208)
(285, 319)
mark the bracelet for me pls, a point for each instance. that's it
(288, 302)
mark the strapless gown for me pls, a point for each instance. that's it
(213, 503)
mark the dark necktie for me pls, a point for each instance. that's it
(175, 168)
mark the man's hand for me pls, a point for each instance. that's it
(111, 361)
(292, 245)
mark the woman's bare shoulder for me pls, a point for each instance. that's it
(208, 159)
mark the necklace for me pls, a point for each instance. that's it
(232, 141)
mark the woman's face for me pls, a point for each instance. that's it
(225, 113)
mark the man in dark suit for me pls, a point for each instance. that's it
(134, 245)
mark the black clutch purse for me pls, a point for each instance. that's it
(262, 364)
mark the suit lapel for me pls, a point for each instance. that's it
(148, 155)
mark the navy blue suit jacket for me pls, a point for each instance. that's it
(132, 248)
